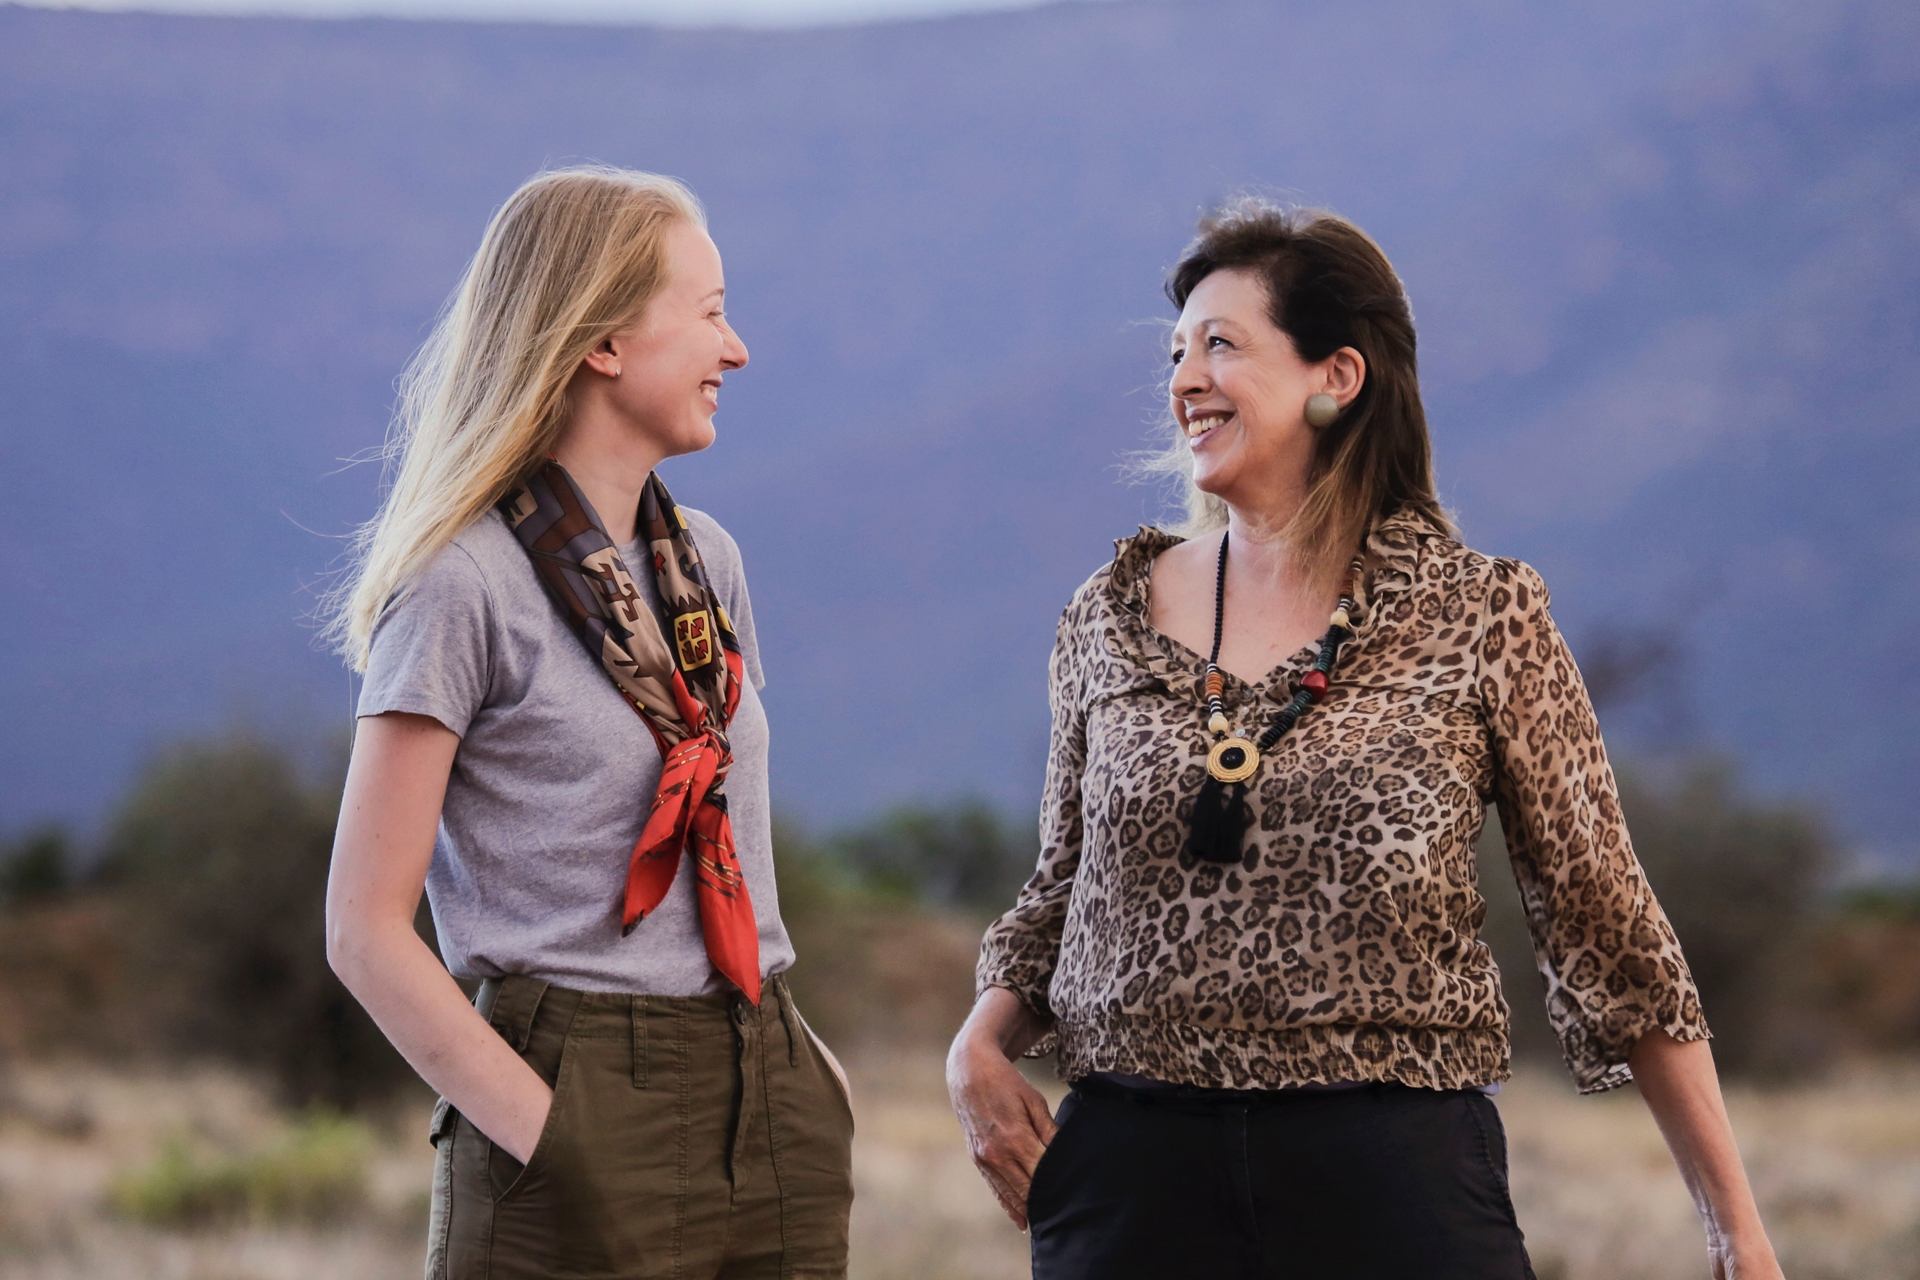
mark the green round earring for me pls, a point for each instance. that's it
(1322, 410)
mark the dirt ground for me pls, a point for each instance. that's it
(1837, 1168)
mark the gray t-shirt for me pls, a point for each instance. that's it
(555, 773)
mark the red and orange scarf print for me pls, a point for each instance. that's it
(681, 670)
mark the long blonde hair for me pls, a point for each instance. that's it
(573, 256)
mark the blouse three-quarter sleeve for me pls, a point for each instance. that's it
(1612, 965)
(1022, 947)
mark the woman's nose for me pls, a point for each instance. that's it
(1189, 380)
(735, 354)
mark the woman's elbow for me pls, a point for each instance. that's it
(340, 949)
(351, 947)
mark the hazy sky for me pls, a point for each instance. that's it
(767, 13)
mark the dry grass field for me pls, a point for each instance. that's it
(1837, 1166)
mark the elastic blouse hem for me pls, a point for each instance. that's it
(1242, 1058)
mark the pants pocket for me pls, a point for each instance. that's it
(818, 1049)
(812, 1124)
(1493, 1140)
(1050, 1159)
(542, 1217)
(440, 1132)
(509, 1175)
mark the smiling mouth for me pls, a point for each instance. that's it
(1198, 427)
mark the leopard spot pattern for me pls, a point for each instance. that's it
(1344, 945)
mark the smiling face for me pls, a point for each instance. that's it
(672, 359)
(1239, 391)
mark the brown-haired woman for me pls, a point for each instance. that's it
(1251, 935)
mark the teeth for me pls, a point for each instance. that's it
(1201, 425)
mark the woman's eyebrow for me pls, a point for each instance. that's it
(1200, 326)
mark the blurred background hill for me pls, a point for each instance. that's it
(1664, 258)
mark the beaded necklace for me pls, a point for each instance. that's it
(1220, 812)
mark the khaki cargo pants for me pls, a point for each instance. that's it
(694, 1138)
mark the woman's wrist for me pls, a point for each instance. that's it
(1736, 1239)
(1000, 1024)
(1746, 1248)
(977, 1045)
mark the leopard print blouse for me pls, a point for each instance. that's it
(1344, 946)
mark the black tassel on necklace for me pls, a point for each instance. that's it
(1221, 817)
(1221, 814)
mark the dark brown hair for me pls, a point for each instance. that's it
(1329, 286)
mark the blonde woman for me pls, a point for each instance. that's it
(560, 737)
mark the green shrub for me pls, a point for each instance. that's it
(1889, 902)
(316, 1173)
(1744, 882)
(180, 1190)
(959, 856)
(219, 856)
(815, 883)
(38, 865)
(1740, 879)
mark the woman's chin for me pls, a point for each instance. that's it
(693, 439)
(1211, 479)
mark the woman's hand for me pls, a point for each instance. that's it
(520, 1131)
(1005, 1120)
(1754, 1263)
(1743, 1259)
(396, 780)
(1679, 1085)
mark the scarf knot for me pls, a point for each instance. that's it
(682, 675)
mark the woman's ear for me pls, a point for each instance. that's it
(1346, 373)
(604, 359)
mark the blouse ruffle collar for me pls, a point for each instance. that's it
(1391, 551)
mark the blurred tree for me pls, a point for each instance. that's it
(959, 856)
(1867, 969)
(1636, 677)
(1742, 882)
(1621, 665)
(1892, 902)
(873, 969)
(220, 858)
(37, 866)
(814, 884)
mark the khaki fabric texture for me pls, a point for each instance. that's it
(690, 1138)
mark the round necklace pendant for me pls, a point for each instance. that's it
(1233, 760)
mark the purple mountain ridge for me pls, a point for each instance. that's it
(1665, 260)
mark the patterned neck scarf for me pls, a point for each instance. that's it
(681, 671)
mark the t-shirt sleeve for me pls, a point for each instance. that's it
(432, 646)
(720, 556)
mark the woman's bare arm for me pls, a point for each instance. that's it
(396, 781)
(1682, 1090)
(1006, 1121)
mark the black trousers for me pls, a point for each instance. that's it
(1380, 1181)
